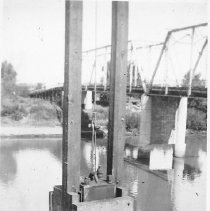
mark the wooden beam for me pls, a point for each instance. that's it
(118, 77)
(72, 97)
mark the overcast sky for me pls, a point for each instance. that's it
(33, 31)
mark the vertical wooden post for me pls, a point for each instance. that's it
(47, 95)
(51, 96)
(54, 95)
(72, 97)
(131, 77)
(118, 77)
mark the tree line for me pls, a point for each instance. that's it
(9, 86)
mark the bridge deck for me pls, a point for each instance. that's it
(197, 92)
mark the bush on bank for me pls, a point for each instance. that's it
(26, 111)
(132, 120)
(197, 114)
(196, 119)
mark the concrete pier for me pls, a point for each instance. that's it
(180, 128)
(88, 100)
(162, 116)
(145, 120)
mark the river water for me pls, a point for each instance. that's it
(30, 168)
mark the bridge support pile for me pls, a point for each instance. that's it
(90, 195)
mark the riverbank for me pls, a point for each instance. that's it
(21, 116)
(41, 132)
(11, 131)
(56, 131)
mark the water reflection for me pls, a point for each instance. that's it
(188, 186)
(135, 153)
(177, 181)
(8, 167)
(30, 168)
(172, 189)
(10, 148)
(202, 160)
(127, 152)
(190, 173)
(161, 157)
(87, 151)
(87, 156)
